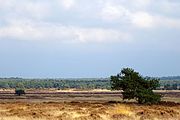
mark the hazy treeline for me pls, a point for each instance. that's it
(170, 78)
(82, 83)
(55, 83)
(170, 84)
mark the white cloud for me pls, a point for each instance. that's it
(101, 35)
(118, 13)
(24, 20)
(67, 4)
(142, 3)
(167, 22)
(142, 19)
(168, 6)
(25, 9)
(6, 3)
(27, 30)
(34, 9)
(145, 20)
(113, 12)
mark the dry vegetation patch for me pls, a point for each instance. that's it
(88, 111)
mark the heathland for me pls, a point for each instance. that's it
(73, 104)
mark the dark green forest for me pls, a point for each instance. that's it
(82, 83)
(167, 83)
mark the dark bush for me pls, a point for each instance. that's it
(19, 92)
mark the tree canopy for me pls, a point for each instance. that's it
(135, 86)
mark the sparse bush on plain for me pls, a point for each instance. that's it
(19, 92)
(19, 89)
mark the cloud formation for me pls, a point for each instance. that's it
(76, 38)
(44, 31)
(138, 18)
(83, 21)
(67, 4)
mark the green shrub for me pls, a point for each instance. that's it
(19, 92)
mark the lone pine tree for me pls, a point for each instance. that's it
(135, 86)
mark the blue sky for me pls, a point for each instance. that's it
(89, 38)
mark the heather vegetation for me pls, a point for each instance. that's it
(78, 104)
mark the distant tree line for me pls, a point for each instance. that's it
(170, 84)
(82, 83)
(55, 83)
(170, 78)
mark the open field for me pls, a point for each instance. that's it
(87, 111)
(84, 105)
(53, 95)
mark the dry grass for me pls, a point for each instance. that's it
(88, 107)
(87, 111)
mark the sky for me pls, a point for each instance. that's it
(89, 38)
